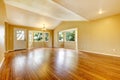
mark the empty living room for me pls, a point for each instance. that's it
(59, 39)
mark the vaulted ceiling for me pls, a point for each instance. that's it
(53, 12)
(20, 16)
(92, 9)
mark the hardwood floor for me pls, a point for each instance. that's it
(59, 64)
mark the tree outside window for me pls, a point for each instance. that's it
(70, 35)
(38, 36)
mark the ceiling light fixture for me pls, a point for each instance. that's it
(43, 28)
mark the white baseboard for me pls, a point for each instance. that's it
(100, 53)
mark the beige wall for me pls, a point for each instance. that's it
(10, 37)
(62, 27)
(42, 43)
(70, 45)
(99, 36)
(2, 29)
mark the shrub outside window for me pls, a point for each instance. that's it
(38, 36)
(70, 35)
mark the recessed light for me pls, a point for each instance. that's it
(100, 11)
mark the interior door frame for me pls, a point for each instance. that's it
(26, 39)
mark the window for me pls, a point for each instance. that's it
(20, 35)
(61, 36)
(30, 36)
(38, 36)
(46, 37)
(70, 35)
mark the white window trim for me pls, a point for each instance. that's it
(43, 36)
(64, 38)
(20, 39)
(70, 31)
(48, 36)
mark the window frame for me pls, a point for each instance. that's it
(38, 32)
(58, 36)
(48, 36)
(21, 37)
(70, 31)
(64, 35)
(43, 36)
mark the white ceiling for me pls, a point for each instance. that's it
(89, 9)
(23, 17)
(46, 8)
(52, 12)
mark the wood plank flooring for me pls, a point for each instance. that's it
(59, 64)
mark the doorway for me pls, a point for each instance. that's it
(20, 38)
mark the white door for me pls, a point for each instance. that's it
(20, 36)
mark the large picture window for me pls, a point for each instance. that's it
(38, 36)
(61, 36)
(70, 35)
